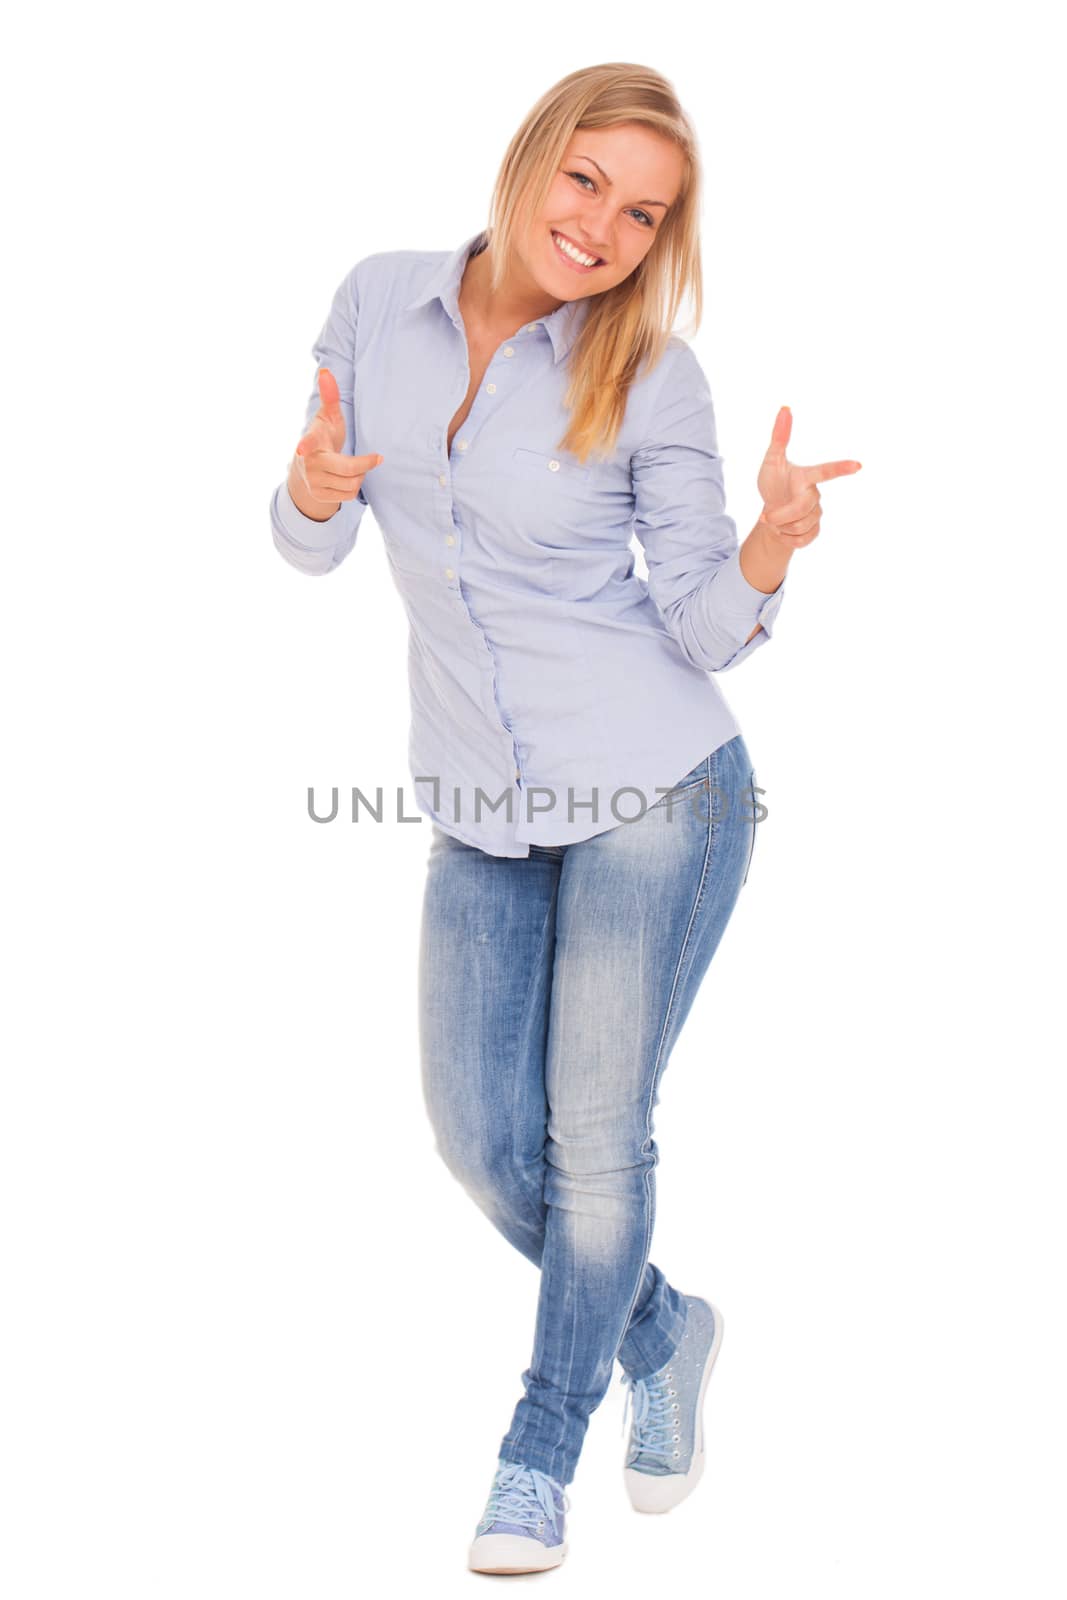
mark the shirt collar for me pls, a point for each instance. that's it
(562, 325)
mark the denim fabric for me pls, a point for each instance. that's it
(552, 989)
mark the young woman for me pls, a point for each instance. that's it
(527, 408)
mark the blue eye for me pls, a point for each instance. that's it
(648, 223)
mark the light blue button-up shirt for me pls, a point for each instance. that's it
(554, 692)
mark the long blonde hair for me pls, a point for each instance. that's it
(631, 323)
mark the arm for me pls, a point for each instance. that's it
(318, 543)
(764, 564)
(713, 603)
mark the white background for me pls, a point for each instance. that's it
(258, 1342)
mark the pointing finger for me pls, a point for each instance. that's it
(340, 466)
(352, 466)
(830, 469)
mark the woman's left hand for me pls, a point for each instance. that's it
(791, 504)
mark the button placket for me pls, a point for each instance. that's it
(450, 538)
(461, 446)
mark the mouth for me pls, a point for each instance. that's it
(580, 260)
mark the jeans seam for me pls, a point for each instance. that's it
(549, 916)
(752, 841)
(657, 1065)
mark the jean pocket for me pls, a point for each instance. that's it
(696, 778)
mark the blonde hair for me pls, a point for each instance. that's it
(631, 323)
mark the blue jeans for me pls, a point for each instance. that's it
(552, 989)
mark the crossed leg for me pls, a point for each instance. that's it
(553, 989)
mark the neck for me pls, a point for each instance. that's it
(518, 300)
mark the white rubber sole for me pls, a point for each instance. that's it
(655, 1494)
(513, 1552)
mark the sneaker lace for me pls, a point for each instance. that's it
(523, 1495)
(651, 1403)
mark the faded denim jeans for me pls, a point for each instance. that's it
(552, 989)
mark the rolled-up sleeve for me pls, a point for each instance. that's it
(318, 547)
(690, 543)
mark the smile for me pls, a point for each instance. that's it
(571, 254)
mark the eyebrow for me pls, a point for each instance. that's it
(607, 180)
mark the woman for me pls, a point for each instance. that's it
(527, 408)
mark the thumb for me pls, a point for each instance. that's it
(329, 393)
(783, 427)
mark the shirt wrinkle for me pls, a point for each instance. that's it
(538, 657)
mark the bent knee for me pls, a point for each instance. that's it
(608, 1160)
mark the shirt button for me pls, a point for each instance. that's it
(461, 444)
(450, 538)
(509, 350)
(490, 388)
(443, 480)
(553, 466)
(449, 573)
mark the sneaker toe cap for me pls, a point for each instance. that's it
(513, 1552)
(656, 1493)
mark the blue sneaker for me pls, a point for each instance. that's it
(523, 1525)
(665, 1452)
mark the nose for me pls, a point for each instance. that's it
(596, 228)
(593, 244)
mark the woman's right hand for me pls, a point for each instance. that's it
(328, 475)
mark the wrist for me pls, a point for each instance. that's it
(764, 558)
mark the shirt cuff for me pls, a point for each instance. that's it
(306, 532)
(739, 605)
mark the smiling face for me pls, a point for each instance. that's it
(607, 202)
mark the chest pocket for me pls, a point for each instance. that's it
(537, 462)
(570, 505)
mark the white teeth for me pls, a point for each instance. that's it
(575, 254)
